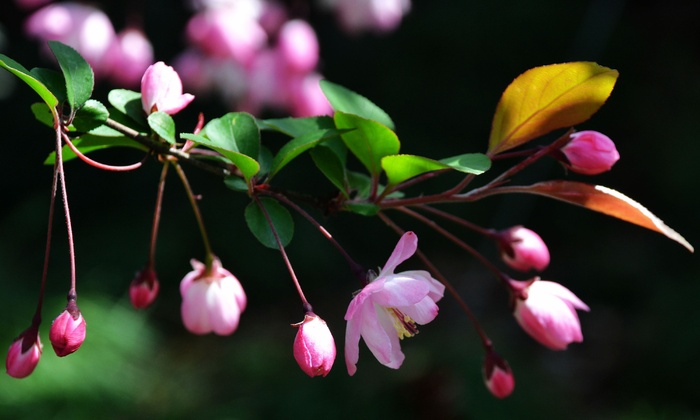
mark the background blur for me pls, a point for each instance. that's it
(439, 76)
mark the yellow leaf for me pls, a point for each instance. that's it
(547, 98)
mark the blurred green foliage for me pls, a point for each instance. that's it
(439, 77)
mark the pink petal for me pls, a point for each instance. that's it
(545, 287)
(422, 312)
(400, 290)
(380, 336)
(352, 345)
(437, 289)
(405, 248)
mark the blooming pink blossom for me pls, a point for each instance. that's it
(498, 376)
(24, 354)
(83, 27)
(523, 249)
(212, 299)
(161, 90)
(389, 307)
(68, 330)
(314, 348)
(547, 311)
(144, 288)
(590, 153)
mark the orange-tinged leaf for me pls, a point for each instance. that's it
(546, 98)
(604, 200)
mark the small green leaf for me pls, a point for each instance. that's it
(347, 101)
(330, 158)
(248, 166)
(400, 168)
(163, 125)
(363, 209)
(236, 183)
(470, 163)
(298, 146)
(77, 73)
(128, 103)
(259, 226)
(53, 80)
(89, 143)
(39, 87)
(368, 140)
(92, 115)
(236, 132)
(296, 127)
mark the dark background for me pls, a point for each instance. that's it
(439, 76)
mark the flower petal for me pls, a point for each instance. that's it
(544, 287)
(400, 290)
(380, 336)
(405, 248)
(352, 344)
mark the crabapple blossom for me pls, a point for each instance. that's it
(161, 90)
(68, 330)
(212, 299)
(23, 354)
(389, 307)
(498, 375)
(130, 55)
(144, 288)
(590, 153)
(314, 348)
(522, 249)
(298, 46)
(547, 311)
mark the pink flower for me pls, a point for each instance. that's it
(144, 288)
(314, 348)
(389, 307)
(523, 249)
(498, 376)
(378, 15)
(129, 55)
(590, 153)
(307, 98)
(67, 330)
(212, 300)
(161, 90)
(298, 46)
(24, 354)
(547, 311)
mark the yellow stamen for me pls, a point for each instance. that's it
(404, 325)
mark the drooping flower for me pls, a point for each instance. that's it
(144, 288)
(523, 249)
(498, 376)
(389, 307)
(24, 353)
(68, 330)
(161, 90)
(314, 348)
(547, 311)
(212, 300)
(590, 153)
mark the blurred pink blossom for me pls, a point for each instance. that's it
(498, 376)
(129, 56)
(371, 15)
(298, 46)
(144, 288)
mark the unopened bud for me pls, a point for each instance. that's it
(314, 348)
(24, 354)
(522, 249)
(68, 330)
(144, 288)
(497, 375)
(590, 153)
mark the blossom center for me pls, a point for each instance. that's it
(405, 326)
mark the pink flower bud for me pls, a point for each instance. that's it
(67, 330)
(547, 311)
(161, 90)
(314, 348)
(298, 46)
(24, 354)
(590, 153)
(498, 376)
(522, 249)
(144, 288)
(212, 299)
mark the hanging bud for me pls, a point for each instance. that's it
(24, 354)
(144, 288)
(314, 348)
(68, 330)
(522, 249)
(497, 375)
(590, 153)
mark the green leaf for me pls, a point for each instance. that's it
(296, 127)
(39, 87)
(77, 73)
(363, 209)
(42, 113)
(298, 146)
(370, 141)
(89, 143)
(330, 158)
(470, 163)
(53, 80)
(259, 226)
(235, 132)
(248, 166)
(128, 103)
(236, 183)
(163, 125)
(546, 98)
(92, 115)
(400, 168)
(347, 101)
